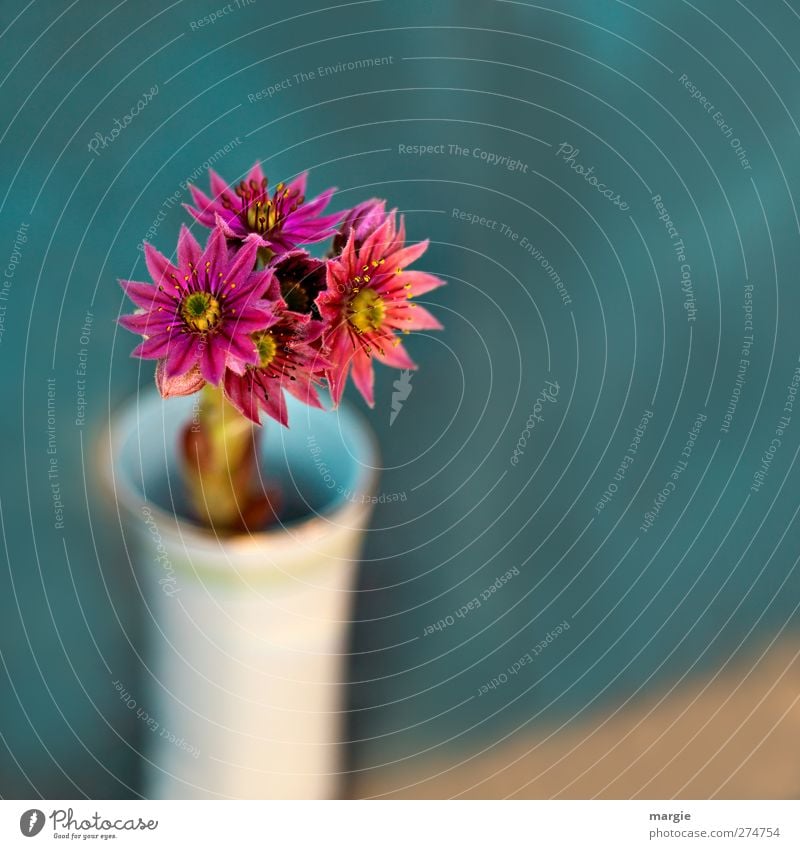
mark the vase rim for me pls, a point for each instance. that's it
(341, 512)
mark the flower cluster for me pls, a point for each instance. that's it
(254, 313)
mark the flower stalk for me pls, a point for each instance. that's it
(220, 465)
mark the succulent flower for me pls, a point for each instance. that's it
(362, 219)
(245, 336)
(201, 312)
(280, 219)
(367, 302)
(288, 359)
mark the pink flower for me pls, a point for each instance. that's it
(366, 303)
(279, 221)
(363, 219)
(201, 312)
(288, 359)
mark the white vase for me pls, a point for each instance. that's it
(242, 695)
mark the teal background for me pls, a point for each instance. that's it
(713, 580)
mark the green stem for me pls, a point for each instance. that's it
(220, 464)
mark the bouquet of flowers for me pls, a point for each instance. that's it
(252, 314)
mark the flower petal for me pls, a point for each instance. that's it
(182, 356)
(239, 346)
(239, 268)
(274, 404)
(218, 186)
(364, 376)
(146, 323)
(417, 318)
(396, 356)
(419, 282)
(240, 392)
(146, 296)
(188, 248)
(173, 387)
(256, 174)
(154, 348)
(161, 269)
(212, 361)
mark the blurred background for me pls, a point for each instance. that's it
(604, 432)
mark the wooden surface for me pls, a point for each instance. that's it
(736, 735)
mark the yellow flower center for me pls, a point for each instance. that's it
(366, 311)
(200, 311)
(265, 343)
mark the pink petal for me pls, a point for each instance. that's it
(275, 404)
(240, 392)
(364, 376)
(188, 248)
(420, 282)
(239, 269)
(212, 361)
(340, 356)
(218, 186)
(304, 391)
(146, 324)
(256, 174)
(240, 347)
(146, 296)
(154, 348)
(377, 244)
(172, 387)
(160, 268)
(182, 355)
(227, 226)
(396, 356)
(299, 183)
(203, 201)
(251, 319)
(205, 218)
(405, 256)
(417, 318)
